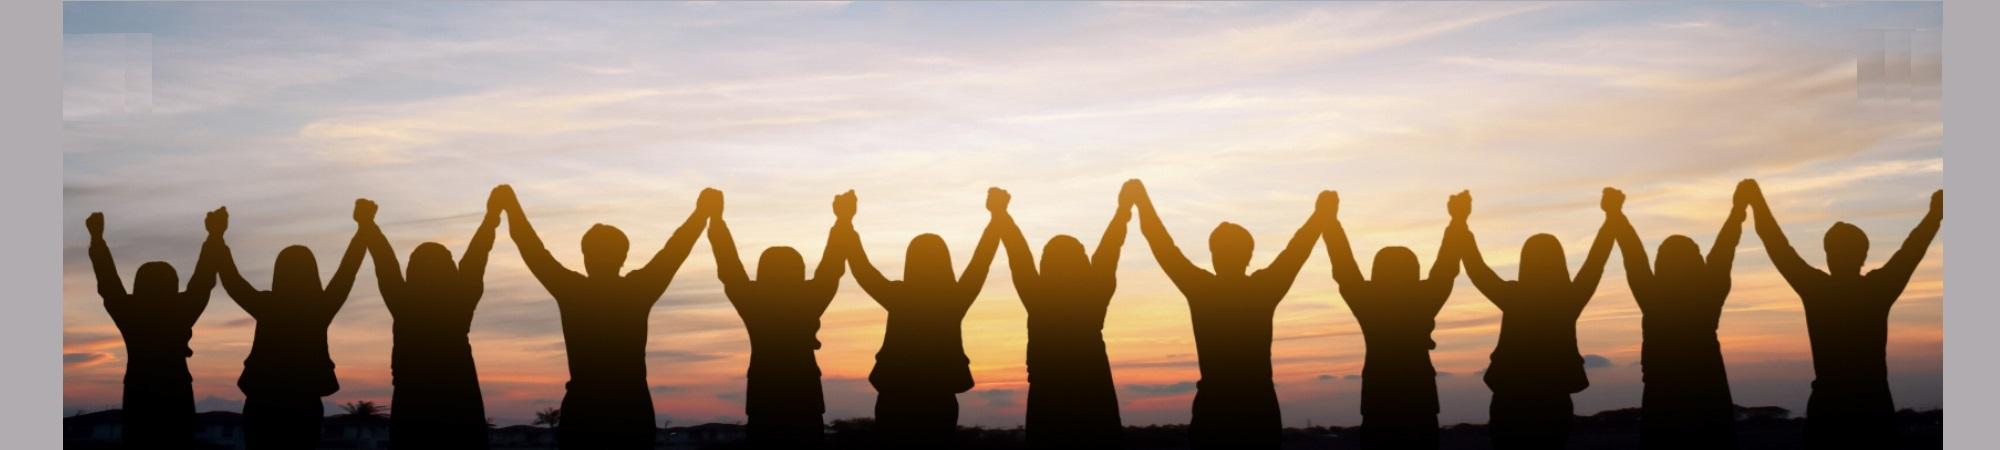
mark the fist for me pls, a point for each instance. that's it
(1131, 192)
(364, 211)
(710, 201)
(94, 223)
(996, 200)
(501, 197)
(1746, 191)
(1937, 200)
(1329, 203)
(217, 221)
(844, 205)
(1460, 204)
(1613, 202)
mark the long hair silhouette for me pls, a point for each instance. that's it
(922, 365)
(437, 402)
(1536, 365)
(156, 321)
(1072, 401)
(607, 404)
(288, 369)
(1847, 319)
(1235, 403)
(781, 310)
(1686, 402)
(1397, 313)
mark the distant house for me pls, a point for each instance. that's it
(699, 435)
(356, 433)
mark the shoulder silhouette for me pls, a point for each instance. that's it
(781, 309)
(1235, 403)
(1397, 311)
(1072, 401)
(288, 370)
(156, 320)
(1536, 365)
(604, 312)
(1847, 320)
(437, 402)
(922, 365)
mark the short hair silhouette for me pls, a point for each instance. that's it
(1846, 248)
(604, 251)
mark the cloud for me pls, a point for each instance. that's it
(1595, 361)
(82, 360)
(1149, 390)
(998, 398)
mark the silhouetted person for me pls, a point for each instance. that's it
(781, 310)
(1397, 312)
(607, 403)
(1072, 402)
(288, 370)
(1847, 317)
(922, 365)
(156, 321)
(437, 402)
(1686, 402)
(1536, 365)
(1235, 403)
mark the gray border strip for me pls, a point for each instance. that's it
(1970, 370)
(31, 325)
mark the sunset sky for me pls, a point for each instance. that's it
(620, 113)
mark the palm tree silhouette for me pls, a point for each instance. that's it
(365, 412)
(549, 417)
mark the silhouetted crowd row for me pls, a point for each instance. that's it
(1072, 401)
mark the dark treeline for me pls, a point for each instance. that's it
(1072, 401)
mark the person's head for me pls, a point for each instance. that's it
(156, 279)
(296, 272)
(1542, 261)
(1680, 259)
(781, 265)
(1395, 265)
(1063, 258)
(1846, 249)
(928, 261)
(604, 249)
(1229, 247)
(430, 264)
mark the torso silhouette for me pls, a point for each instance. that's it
(1847, 319)
(156, 333)
(1232, 326)
(1537, 349)
(1396, 324)
(784, 373)
(921, 346)
(288, 353)
(604, 325)
(431, 328)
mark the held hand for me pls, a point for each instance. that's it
(217, 221)
(844, 205)
(94, 223)
(1129, 194)
(1613, 202)
(996, 200)
(364, 211)
(1329, 204)
(1937, 202)
(710, 202)
(1460, 205)
(498, 200)
(1746, 190)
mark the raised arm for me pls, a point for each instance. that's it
(1444, 270)
(109, 285)
(1110, 246)
(833, 262)
(1489, 284)
(202, 283)
(1632, 251)
(1172, 261)
(1600, 250)
(1345, 271)
(388, 269)
(1896, 273)
(350, 263)
(728, 265)
(538, 259)
(1794, 268)
(1285, 269)
(871, 280)
(974, 278)
(1020, 258)
(658, 272)
(1722, 254)
(472, 265)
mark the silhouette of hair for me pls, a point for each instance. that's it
(1543, 262)
(1846, 248)
(604, 249)
(928, 262)
(1063, 260)
(430, 264)
(155, 278)
(781, 265)
(295, 273)
(1395, 265)
(1680, 259)
(1230, 247)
